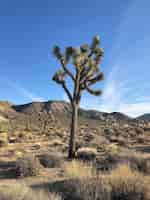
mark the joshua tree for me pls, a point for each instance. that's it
(84, 72)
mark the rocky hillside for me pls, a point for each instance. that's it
(145, 117)
(35, 109)
(45, 126)
(60, 111)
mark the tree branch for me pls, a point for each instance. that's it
(98, 77)
(67, 70)
(85, 62)
(67, 91)
(93, 92)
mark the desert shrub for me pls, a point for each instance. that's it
(139, 162)
(25, 135)
(27, 166)
(114, 149)
(139, 130)
(109, 161)
(122, 141)
(21, 192)
(108, 131)
(121, 184)
(18, 154)
(146, 166)
(3, 142)
(86, 154)
(48, 160)
(136, 160)
(127, 185)
(141, 139)
(13, 139)
(85, 189)
(36, 146)
(3, 139)
(113, 138)
(56, 143)
(79, 144)
(88, 137)
(79, 169)
(96, 189)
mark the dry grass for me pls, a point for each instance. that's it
(128, 184)
(79, 169)
(123, 171)
(27, 165)
(21, 192)
(121, 184)
(51, 160)
(138, 161)
(3, 139)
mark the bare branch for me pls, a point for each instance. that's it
(67, 91)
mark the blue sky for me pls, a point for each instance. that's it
(29, 29)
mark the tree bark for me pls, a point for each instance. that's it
(72, 145)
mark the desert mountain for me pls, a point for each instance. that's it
(60, 108)
(50, 122)
(145, 117)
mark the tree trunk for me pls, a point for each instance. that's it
(72, 146)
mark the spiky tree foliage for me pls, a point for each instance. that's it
(85, 60)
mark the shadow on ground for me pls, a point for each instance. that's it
(66, 188)
(144, 149)
(7, 170)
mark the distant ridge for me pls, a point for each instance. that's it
(61, 108)
(145, 117)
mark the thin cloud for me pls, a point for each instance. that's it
(24, 92)
(115, 91)
(135, 109)
(120, 95)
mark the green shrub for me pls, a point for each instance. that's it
(108, 131)
(27, 166)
